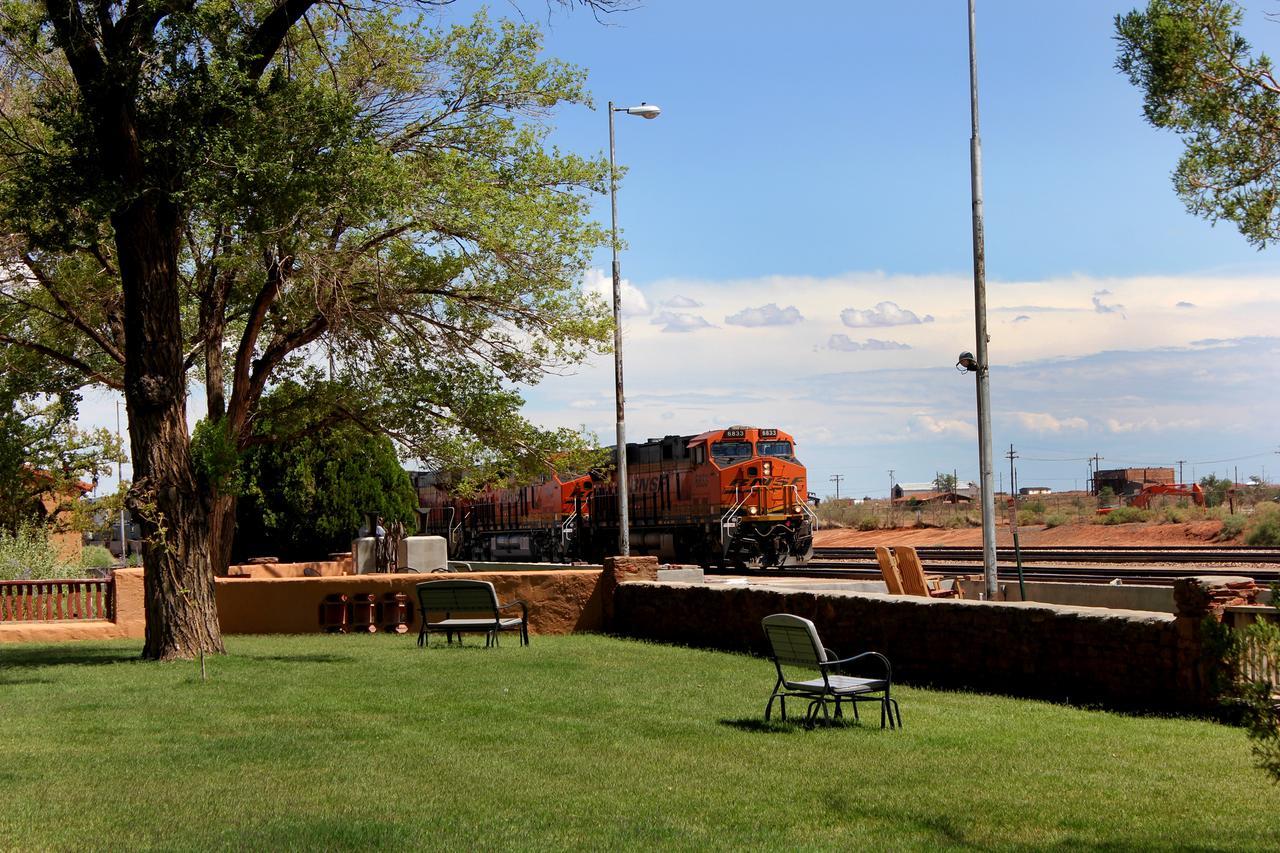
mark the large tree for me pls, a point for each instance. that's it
(1201, 80)
(238, 193)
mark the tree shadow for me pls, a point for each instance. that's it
(69, 655)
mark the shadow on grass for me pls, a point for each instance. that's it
(781, 727)
(70, 655)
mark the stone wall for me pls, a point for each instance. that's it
(1117, 658)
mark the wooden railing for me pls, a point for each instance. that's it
(52, 600)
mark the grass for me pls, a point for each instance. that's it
(583, 742)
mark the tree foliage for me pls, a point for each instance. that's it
(307, 497)
(44, 456)
(1201, 79)
(1215, 489)
(238, 195)
(944, 482)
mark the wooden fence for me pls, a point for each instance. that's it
(56, 600)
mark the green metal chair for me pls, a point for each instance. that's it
(796, 646)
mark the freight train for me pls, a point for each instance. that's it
(727, 497)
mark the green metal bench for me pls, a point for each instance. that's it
(467, 606)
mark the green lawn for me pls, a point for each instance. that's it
(575, 742)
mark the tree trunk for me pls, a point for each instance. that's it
(182, 616)
(222, 532)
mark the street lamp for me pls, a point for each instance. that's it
(649, 111)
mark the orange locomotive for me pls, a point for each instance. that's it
(733, 496)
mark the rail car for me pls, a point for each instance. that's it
(735, 496)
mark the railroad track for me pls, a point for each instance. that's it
(1207, 555)
(1008, 572)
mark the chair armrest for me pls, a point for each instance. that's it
(837, 664)
(524, 608)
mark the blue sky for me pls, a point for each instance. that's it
(815, 157)
(800, 252)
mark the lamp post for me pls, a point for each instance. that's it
(648, 111)
(980, 364)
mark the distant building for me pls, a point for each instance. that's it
(1035, 490)
(929, 491)
(1130, 481)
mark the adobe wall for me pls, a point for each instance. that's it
(559, 602)
(324, 568)
(1126, 659)
(130, 619)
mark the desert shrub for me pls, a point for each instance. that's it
(1174, 515)
(1263, 527)
(1126, 515)
(96, 557)
(1215, 490)
(1056, 519)
(953, 521)
(27, 554)
(1035, 506)
(868, 522)
(1027, 516)
(1232, 525)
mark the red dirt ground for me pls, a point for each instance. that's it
(1194, 533)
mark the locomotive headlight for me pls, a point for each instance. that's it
(797, 509)
(768, 469)
(752, 510)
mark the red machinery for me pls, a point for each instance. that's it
(732, 496)
(1143, 498)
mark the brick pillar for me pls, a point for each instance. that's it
(620, 570)
(1203, 669)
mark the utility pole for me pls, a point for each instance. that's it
(836, 478)
(988, 480)
(1181, 462)
(1013, 521)
(890, 514)
(1094, 475)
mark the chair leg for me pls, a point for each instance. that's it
(839, 709)
(768, 708)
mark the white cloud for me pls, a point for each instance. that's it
(634, 303)
(844, 343)
(681, 301)
(941, 427)
(884, 314)
(1045, 422)
(1152, 425)
(1185, 305)
(673, 321)
(765, 315)
(1021, 318)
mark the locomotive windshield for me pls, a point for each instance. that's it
(730, 452)
(779, 449)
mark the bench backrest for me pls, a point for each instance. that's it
(458, 597)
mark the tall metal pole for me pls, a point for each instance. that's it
(980, 320)
(624, 519)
